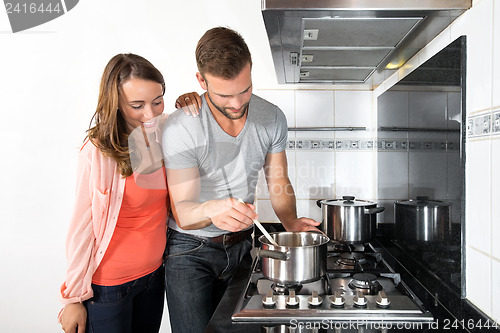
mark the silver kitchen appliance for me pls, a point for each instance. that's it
(358, 285)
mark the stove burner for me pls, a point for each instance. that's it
(281, 289)
(366, 283)
(351, 258)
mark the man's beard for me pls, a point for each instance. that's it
(229, 114)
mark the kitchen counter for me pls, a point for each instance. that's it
(449, 310)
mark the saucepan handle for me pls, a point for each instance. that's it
(274, 254)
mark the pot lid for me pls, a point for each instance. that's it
(347, 201)
(422, 201)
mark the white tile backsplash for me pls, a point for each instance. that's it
(354, 109)
(478, 195)
(495, 199)
(355, 174)
(314, 108)
(308, 208)
(495, 289)
(496, 54)
(478, 279)
(315, 175)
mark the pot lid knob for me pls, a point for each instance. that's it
(360, 299)
(269, 300)
(337, 299)
(348, 198)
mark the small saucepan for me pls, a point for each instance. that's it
(304, 260)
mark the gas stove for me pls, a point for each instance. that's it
(359, 285)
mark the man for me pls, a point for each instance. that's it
(212, 161)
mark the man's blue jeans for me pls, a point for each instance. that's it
(197, 273)
(135, 306)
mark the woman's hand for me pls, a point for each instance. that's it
(74, 318)
(190, 103)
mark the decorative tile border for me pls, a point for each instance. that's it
(479, 125)
(496, 123)
(369, 145)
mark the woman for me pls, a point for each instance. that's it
(116, 239)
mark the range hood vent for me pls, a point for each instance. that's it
(346, 41)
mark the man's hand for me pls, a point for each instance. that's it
(190, 103)
(303, 224)
(230, 214)
(74, 317)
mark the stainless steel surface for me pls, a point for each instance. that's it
(330, 298)
(349, 220)
(422, 220)
(414, 129)
(307, 257)
(346, 41)
(314, 129)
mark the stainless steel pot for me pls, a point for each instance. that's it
(306, 252)
(422, 220)
(348, 220)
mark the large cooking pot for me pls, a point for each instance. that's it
(348, 220)
(306, 257)
(422, 220)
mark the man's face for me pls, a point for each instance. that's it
(230, 97)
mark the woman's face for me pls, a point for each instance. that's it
(140, 101)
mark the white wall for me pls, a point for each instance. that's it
(481, 25)
(49, 78)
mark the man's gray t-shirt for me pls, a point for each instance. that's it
(228, 165)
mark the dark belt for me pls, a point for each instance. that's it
(232, 237)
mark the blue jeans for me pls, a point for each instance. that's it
(197, 273)
(135, 306)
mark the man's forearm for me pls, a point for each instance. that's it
(284, 203)
(190, 215)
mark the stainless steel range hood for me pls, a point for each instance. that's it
(347, 41)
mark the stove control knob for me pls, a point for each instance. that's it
(292, 300)
(337, 299)
(269, 300)
(382, 300)
(315, 299)
(360, 299)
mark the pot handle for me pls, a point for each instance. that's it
(374, 210)
(273, 254)
(318, 202)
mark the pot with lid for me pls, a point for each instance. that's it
(422, 220)
(349, 220)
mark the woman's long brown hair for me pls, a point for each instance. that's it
(109, 132)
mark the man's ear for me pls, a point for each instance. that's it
(201, 80)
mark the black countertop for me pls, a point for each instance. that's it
(451, 312)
